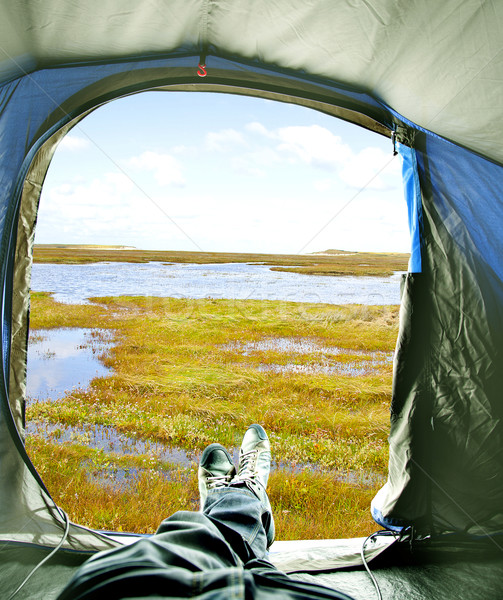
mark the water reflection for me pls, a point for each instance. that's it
(60, 360)
(108, 439)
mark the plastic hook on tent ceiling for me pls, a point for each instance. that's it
(201, 67)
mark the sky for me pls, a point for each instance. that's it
(218, 172)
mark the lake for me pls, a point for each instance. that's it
(75, 283)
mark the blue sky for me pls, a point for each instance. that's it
(216, 172)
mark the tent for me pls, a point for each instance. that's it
(427, 74)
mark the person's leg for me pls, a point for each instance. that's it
(218, 552)
(186, 549)
(193, 551)
(238, 513)
(240, 506)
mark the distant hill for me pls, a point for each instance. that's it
(333, 252)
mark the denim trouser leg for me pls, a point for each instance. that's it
(215, 554)
(187, 554)
(239, 510)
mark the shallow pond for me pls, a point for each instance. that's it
(76, 283)
(326, 362)
(60, 360)
(108, 439)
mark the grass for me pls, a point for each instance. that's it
(190, 372)
(331, 262)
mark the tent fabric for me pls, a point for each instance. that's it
(431, 72)
(412, 193)
(436, 63)
(446, 428)
(466, 329)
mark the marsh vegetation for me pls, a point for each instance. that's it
(189, 372)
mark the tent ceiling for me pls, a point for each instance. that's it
(440, 64)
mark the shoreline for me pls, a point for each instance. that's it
(336, 263)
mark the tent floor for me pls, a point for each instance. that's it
(469, 580)
(400, 577)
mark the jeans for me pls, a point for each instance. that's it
(237, 510)
(218, 553)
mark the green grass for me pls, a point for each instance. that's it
(184, 376)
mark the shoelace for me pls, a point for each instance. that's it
(218, 481)
(247, 472)
(247, 462)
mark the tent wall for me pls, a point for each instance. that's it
(446, 440)
(438, 63)
(462, 195)
(425, 69)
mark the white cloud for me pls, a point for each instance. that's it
(367, 168)
(245, 166)
(116, 184)
(255, 163)
(76, 201)
(73, 143)
(108, 209)
(313, 145)
(224, 140)
(318, 147)
(184, 150)
(166, 168)
(323, 185)
(263, 156)
(304, 175)
(256, 127)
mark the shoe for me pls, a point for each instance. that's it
(253, 471)
(254, 458)
(216, 470)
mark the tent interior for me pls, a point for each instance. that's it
(426, 74)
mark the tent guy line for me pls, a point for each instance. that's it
(453, 500)
(355, 195)
(47, 558)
